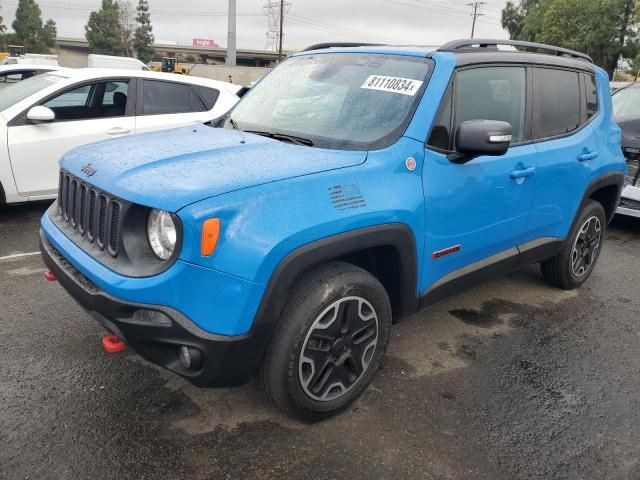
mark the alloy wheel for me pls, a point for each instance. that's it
(586, 246)
(338, 348)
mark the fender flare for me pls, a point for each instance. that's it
(300, 260)
(608, 179)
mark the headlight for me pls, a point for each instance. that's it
(162, 233)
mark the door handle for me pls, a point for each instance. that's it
(527, 172)
(118, 131)
(583, 157)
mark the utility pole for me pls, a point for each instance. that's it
(231, 35)
(280, 30)
(475, 15)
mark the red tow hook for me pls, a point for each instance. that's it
(49, 276)
(113, 344)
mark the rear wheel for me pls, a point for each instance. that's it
(329, 343)
(574, 264)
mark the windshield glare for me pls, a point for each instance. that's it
(626, 102)
(19, 91)
(342, 101)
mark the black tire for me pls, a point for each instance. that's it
(565, 270)
(334, 301)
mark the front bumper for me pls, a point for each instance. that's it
(157, 332)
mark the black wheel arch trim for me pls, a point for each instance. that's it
(300, 260)
(609, 179)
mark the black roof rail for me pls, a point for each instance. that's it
(321, 46)
(475, 43)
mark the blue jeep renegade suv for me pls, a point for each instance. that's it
(351, 187)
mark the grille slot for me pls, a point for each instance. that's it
(90, 214)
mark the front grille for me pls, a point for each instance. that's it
(90, 213)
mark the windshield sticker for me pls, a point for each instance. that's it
(405, 86)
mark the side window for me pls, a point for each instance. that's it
(78, 97)
(9, 78)
(96, 100)
(440, 136)
(165, 98)
(591, 95)
(209, 96)
(492, 93)
(556, 102)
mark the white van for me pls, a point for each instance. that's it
(109, 61)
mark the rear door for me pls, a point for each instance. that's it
(564, 104)
(84, 114)
(162, 105)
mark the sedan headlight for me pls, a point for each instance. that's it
(162, 234)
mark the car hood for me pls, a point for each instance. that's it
(174, 168)
(630, 131)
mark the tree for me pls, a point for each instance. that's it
(49, 33)
(143, 36)
(29, 30)
(3, 34)
(103, 30)
(127, 27)
(604, 29)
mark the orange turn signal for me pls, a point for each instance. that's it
(210, 235)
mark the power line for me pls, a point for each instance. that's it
(475, 15)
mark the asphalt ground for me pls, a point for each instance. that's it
(511, 380)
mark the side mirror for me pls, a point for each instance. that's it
(481, 137)
(40, 114)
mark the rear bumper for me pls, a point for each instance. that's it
(157, 332)
(630, 202)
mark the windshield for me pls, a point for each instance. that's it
(346, 101)
(626, 102)
(19, 91)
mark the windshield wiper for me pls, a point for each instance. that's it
(233, 123)
(283, 137)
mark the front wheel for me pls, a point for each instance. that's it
(330, 341)
(574, 264)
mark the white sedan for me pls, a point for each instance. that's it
(43, 117)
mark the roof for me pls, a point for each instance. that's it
(469, 52)
(79, 74)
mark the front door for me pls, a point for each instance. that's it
(84, 114)
(477, 212)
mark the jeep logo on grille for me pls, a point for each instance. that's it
(88, 170)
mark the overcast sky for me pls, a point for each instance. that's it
(423, 22)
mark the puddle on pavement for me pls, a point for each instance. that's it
(440, 339)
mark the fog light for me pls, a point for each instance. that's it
(190, 357)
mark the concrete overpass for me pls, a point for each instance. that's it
(73, 52)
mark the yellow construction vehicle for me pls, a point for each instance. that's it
(14, 51)
(171, 65)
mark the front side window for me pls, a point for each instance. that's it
(493, 93)
(91, 101)
(336, 100)
(487, 93)
(556, 102)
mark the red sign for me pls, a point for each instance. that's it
(203, 42)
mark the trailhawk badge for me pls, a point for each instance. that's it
(88, 170)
